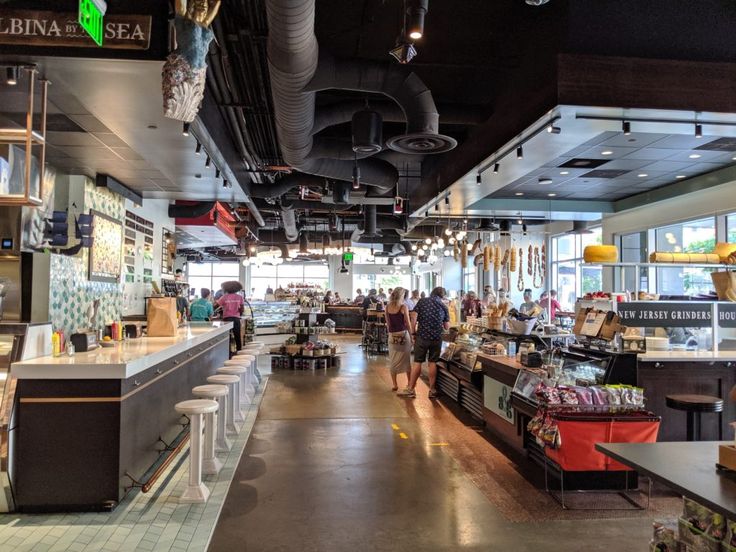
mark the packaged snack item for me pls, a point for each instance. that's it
(703, 519)
(584, 394)
(731, 533)
(549, 395)
(600, 395)
(664, 539)
(568, 395)
(614, 394)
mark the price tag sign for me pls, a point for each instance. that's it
(91, 13)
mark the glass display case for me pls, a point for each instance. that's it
(273, 314)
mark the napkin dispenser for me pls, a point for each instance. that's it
(84, 341)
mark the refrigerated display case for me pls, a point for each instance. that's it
(274, 317)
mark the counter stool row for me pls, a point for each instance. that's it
(221, 399)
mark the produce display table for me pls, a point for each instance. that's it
(687, 467)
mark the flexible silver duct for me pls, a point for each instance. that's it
(285, 184)
(288, 219)
(293, 60)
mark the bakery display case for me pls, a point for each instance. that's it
(274, 317)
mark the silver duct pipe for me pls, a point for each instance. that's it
(284, 185)
(288, 219)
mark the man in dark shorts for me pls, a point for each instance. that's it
(432, 319)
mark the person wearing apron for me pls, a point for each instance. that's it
(399, 336)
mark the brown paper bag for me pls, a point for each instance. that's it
(724, 282)
(162, 320)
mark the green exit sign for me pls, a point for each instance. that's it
(348, 256)
(91, 13)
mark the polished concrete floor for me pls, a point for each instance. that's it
(336, 462)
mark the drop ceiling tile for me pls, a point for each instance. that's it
(110, 140)
(84, 152)
(683, 141)
(627, 164)
(667, 166)
(616, 152)
(67, 103)
(704, 156)
(72, 139)
(653, 154)
(128, 154)
(635, 139)
(90, 123)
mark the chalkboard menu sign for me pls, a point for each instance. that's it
(659, 314)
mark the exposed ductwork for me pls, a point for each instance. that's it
(370, 220)
(193, 210)
(288, 219)
(404, 87)
(293, 63)
(284, 185)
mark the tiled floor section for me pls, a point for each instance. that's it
(142, 522)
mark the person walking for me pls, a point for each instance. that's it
(232, 308)
(399, 338)
(432, 319)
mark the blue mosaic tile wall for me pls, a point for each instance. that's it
(71, 293)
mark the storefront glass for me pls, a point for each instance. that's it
(689, 237)
(569, 275)
(210, 275)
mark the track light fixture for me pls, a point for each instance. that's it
(208, 161)
(698, 130)
(198, 149)
(11, 75)
(415, 13)
(496, 168)
(447, 199)
(520, 152)
(217, 172)
(437, 207)
(426, 213)
(478, 179)
(225, 184)
(626, 127)
(552, 129)
(185, 129)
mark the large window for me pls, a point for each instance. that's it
(697, 236)
(366, 282)
(633, 250)
(265, 276)
(570, 276)
(731, 228)
(470, 278)
(210, 275)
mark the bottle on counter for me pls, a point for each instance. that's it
(55, 344)
(114, 330)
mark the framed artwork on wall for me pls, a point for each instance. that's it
(105, 255)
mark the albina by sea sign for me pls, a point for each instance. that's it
(91, 14)
(52, 29)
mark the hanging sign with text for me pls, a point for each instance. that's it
(656, 314)
(45, 28)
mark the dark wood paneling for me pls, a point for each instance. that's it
(705, 378)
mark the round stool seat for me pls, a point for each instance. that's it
(211, 390)
(234, 370)
(239, 362)
(196, 406)
(251, 343)
(223, 379)
(244, 356)
(695, 403)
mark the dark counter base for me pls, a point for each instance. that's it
(76, 439)
(703, 378)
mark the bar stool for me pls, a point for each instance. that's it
(195, 492)
(252, 355)
(695, 405)
(238, 371)
(211, 465)
(231, 382)
(245, 377)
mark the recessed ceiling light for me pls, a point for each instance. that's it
(733, 158)
(551, 194)
(681, 176)
(543, 180)
(152, 127)
(695, 156)
(563, 173)
(606, 152)
(519, 193)
(642, 175)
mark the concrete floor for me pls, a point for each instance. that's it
(336, 462)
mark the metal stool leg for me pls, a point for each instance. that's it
(221, 443)
(196, 492)
(211, 465)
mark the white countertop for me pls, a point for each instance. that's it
(121, 361)
(693, 356)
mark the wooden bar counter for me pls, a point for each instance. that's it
(87, 425)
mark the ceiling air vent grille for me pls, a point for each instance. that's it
(579, 163)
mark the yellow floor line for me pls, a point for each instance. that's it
(394, 427)
(438, 444)
(403, 435)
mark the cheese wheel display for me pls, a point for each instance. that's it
(724, 250)
(600, 254)
(684, 258)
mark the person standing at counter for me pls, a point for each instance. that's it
(337, 299)
(432, 319)
(232, 307)
(471, 306)
(328, 300)
(550, 304)
(489, 298)
(359, 298)
(201, 309)
(411, 302)
(399, 338)
(182, 305)
(528, 305)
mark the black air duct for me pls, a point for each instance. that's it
(303, 243)
(367, 130)
(370, 220)
(341, 193)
